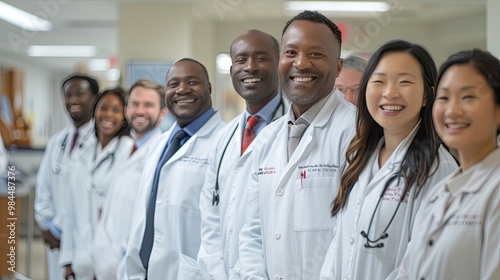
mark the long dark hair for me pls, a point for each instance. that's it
(484, 62)
(120, 92)
(417, 163)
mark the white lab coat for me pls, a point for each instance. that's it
(288, 226)
(458, 236)
(111, 234)
(84, 202)
(221, 224)
(177, 215)
(4, 158)
(347, 257)
(52, 179)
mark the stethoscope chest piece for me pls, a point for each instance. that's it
(215, 198)
(56, 168)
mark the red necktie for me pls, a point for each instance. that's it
(248, 134)
(134, 148)
(73, 141)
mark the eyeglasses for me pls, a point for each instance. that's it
(347, 90)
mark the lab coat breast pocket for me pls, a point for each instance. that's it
(186, 191)
(311, 203)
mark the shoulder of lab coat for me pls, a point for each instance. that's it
(211, 256)
(46, 182)
(484, 194)
(133, 267)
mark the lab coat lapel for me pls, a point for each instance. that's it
(393, 163)
(306, 144)
(109, 149)
(241, 123)
(440, 209)
(204, 131)
(475, 182)
(139, 157)
(154, 157)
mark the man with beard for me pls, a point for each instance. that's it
(62, 149)
(145, 108)
(254, 72)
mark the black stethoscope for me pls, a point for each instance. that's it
(215, 194)
(56, 168)
(373, 243)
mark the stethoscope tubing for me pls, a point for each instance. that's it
(215, 195)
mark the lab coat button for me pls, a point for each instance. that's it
(277, 235)
(351, 241)
(280, 192)
(358, 202)
(431, 242)
(277, 277)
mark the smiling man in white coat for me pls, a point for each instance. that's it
(145, 109)
(165, 233)
(254, 72)
(63, 148)
(298, 159)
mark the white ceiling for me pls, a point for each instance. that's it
(93, 22)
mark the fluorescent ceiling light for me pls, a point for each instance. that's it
(23, 19)
(101, 64)
(336, 6)
(62, 51)
(223, 62)
(113, 74)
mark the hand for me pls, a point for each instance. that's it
(50, 239)
(69, 273)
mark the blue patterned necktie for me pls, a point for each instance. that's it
(147, 241)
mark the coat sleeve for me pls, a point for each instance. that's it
(252, 260)
(44, 198)
(210, 256)
(490, 257)
(68, 227)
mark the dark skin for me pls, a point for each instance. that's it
(79, 101)
(255, 68)
(50, 240)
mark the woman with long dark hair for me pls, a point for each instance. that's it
(458, 233)
(392, 161)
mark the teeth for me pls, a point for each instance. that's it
(392, 108)
(185, 101)
(76, 106)
(251, 80)
(302, 80)
(140, 119)
(107, 124)
(457, 125)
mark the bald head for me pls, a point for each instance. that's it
(254, 68)
(271, 41)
